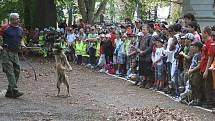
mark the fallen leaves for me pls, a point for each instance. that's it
(153, 114)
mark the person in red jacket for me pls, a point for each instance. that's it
(113, 38)
(207, 56)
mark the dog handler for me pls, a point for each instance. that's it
(12, 36)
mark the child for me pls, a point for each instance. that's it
(85, 55)
(194, 74)
(78, 50)
(131, 54)
(208, 53)
(121, 55)
(102, 60)
(115, 55)
(92, 39)
(71, 37)
(213, 70)
(192, 28)
(187, 54)
(127, 45)
(158, 63)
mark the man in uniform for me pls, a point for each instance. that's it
(12, 36)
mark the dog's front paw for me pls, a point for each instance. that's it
(68, 95)
(70, 69)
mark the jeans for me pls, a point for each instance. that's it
(177, 78)
(159, 72)
(169, 66)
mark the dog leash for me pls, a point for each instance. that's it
(25, 59)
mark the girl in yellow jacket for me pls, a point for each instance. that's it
(79, 50)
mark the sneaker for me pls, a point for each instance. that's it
(136, 83)
(102, 70)
(194, 103)
(88, 65)
(92, 67)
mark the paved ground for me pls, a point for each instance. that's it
(94, 97)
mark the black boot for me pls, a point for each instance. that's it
(9, 93)
(13, 93)
(17, 93)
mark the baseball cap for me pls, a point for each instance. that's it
(140, 34)
(108, 36)
(155, 38)
(93, 28)
(58, 30)
(189, 36)
(177, 36)
(102, 35)
(198, 44)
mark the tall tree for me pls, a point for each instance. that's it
(27, 13)
(87, 9)
(176, 9)
(44, 13)
(39, 13)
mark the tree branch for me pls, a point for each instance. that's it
(176, 2)
(101, 8)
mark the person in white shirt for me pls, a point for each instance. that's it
(71, 37)
(158, 63)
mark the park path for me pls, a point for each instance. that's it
(94, 97)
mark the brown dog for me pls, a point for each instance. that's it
(61, 64)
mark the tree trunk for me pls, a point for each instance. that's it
(27, 13)
(44, 14)
(175, 10)
(82, 9)
(70, 21)
(102, 18)
(101, 9)
(140, 9)
(87, 9)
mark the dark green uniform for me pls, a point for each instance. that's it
(11, 66)
(12, 37)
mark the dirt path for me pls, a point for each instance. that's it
(94, 97)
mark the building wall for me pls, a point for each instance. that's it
(204, 11)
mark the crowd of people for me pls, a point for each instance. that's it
(177, 59)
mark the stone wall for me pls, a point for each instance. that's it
(204, 11)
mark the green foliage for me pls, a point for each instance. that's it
(146, 6)
(65, 5)
(9, 6)
(71, 6)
